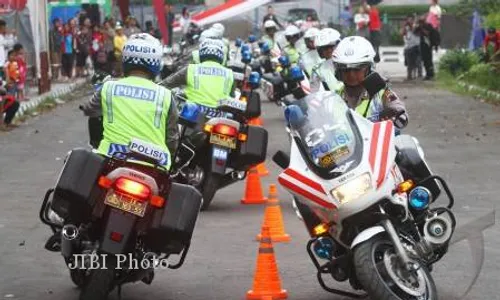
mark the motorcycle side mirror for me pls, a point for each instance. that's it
(281, 159)
(374, 83)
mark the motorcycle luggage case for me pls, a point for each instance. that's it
(253, 151)
(76, 187)
(172, 227)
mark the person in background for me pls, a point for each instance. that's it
(429, 40)
(12, 73)
(9, 106)
(56, 38)
(7, 41)
(119, 42)
(131, 26)
(185, 21)
(150, 29)
(67, 48)
(170, 19)
(109, 37)
(98, 51)
(271, 16)
(346, 19)
(434, 15)
(83, 44)
(23, 71)
(374, 26)
(412, 47)
(491, 44)
(361, 19)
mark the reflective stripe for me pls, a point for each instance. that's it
(160, 93)
(197, 78)
(109, 103)
(226, 84)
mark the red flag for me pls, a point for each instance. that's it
(159, 7)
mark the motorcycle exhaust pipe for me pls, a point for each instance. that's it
(69, 238)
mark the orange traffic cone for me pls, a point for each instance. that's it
(261, 168)
(253, 190)
(266, 283)
(273, 218)
(256, 122)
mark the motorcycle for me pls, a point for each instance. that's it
(285, 85)
(247, 77)
(222, 148)
(117, 219)
(367, 199)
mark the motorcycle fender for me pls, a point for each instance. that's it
(119, 222)
(366, 235)
(219, 160)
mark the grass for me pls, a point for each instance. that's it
(449, 82)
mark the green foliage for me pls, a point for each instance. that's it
(483, 75)
(457, 62)
(396, 39)
(493, 20)
(466, 7)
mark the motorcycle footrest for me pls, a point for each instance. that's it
(53, 244)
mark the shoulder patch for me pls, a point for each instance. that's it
(389, 96)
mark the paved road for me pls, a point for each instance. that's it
(461, 140)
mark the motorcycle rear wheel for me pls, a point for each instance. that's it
(208, 189)
(382, 282)
(98, 285)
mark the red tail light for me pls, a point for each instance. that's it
(133, 188)
(225, 130)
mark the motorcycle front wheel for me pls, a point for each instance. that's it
(382, 276)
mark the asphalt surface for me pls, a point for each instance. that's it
(461, 138)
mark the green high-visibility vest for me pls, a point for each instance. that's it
(326, 72)
(208, 82)
(292, 53)
(366, 108)
(134, 108)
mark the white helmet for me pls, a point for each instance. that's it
(219, 28)
(311, 33)
(211, 49)
(327, 37)
(270, 24)
(292, 30)
(144, 51)
(353, 52)
(208, 34)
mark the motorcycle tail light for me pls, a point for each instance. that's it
(133, 188)
(157, 201)
(105, 182)
(116, 236)
(208, 128)
(225, 130)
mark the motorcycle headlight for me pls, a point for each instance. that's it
(353, 189)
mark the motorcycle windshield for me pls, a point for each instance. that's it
(327, 138)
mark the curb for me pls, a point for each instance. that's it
(481, 90)
(35, 101)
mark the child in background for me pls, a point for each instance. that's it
(11, 70)
(23, 70)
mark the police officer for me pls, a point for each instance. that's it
(271, 28)
(310, 58)
(354, 60)
(135, 107)
(208, 82)
(292, 35)
(210, 34)
(323, 77)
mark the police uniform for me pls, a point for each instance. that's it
(324, 74)
(309, 60)
(136, 108)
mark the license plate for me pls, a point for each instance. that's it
(127, 204)
(223, 140)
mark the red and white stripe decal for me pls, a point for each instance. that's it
(379, 149)
(305, 187)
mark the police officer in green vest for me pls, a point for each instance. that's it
(208, 82)
(212, 34)
(310, 58)
(292, 35)
(136, 108)
(323, 74)
(354, 61)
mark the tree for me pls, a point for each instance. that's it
(485, 7)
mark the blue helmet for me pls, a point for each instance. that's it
(212, 50)
(252, 38)
(143, 51)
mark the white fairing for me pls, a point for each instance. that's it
(366, 235)
(377, 159)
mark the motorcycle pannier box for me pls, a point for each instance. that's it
(77, 186)
(172, 227)
(254, 150)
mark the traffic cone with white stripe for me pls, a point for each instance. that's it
(267, 283)
(273, 218)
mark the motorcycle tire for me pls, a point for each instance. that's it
(78, 277)
(371, 279)
(208, 189)
(98, 285)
